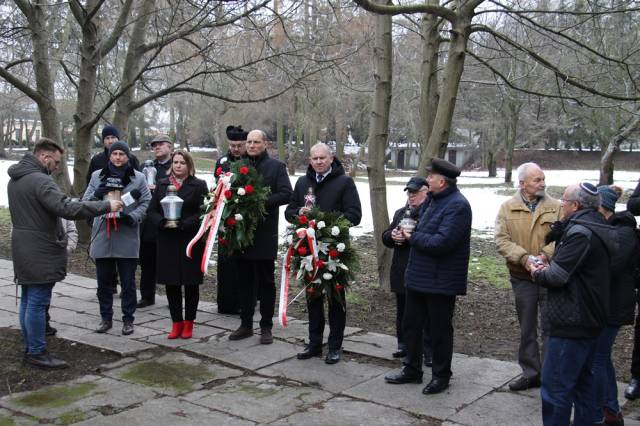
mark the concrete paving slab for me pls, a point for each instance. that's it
(332, 378)
(82, 398)
(167, 412)
(173, 374)
(346, 411)
(259, 399)
(210, 307)
(6, 278)
(81, 281)
(70, 290)
(84, 320)
(9, 319)
(509, 408)
(121, 345)
(371, 344)
(484, 371)
(75, 304)
(200, 331)
(227, 322)
(9, 418)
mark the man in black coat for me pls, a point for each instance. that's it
(228, 298)
(257, 272)
(162, 146)
(333, 191)
(417, 190)
(633, 390)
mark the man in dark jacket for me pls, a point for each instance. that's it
(633, 390)
(257, 272)
(417, 190)
(162, 146)
(436, 274)
(228, 291)
(334, 191)
(577, 282)
(39, 242)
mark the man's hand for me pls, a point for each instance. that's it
(115, 205)
(151, 187)
(534, 268)
(397, 237)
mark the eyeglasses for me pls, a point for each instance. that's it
(250, 142)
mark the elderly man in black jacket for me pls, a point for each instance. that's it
(257, 272)
(577, 281)
(334, 191)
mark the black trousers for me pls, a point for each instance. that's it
(434, 311)
(126, 267)
(635, 356)
(257, 282)
(148, 271)
(228, 297)
(191, 300)
(426, 339)
(337, 320)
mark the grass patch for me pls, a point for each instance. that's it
(489, 269)
(355, 299)
(71, 417)
(57, 396)
(167, 374)
(6, 421)
(255, 390)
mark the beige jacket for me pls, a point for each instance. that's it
(519, 232)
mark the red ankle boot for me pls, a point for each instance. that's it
(176, 330)
(187, 330)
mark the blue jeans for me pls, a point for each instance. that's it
(105, 268)
(33, 307)
(567, 380)
(604, 373)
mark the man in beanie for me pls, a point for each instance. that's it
(436, 274)
(110, 134)
(115, 239)
(577, 282)
(521, 226)
(162, 146)
(227, 269)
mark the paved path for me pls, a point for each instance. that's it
(211, 380)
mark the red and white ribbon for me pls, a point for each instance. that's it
(284, 287)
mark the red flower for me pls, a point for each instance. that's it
(228, 194)
(339, 286)
(320, 264)
(231, 221)
(302, 251)
(303, 220)
(222, 241)
(248, 189)
(244, 170)
(333, 253)
(218, 171)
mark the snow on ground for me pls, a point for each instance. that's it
(485, 202)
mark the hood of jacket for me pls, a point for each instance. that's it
(597, 224)
(624, 218)
(27, 165)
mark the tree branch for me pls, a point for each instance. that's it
(383, 9)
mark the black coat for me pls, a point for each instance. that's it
(622, 293)
(274, 175)
(337, 192)
(633, 205)
(173, 265)
(149, 231)
(99, 161)
(400, 252)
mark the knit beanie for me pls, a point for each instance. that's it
(608, 198)
(119, 146)
(110, 131)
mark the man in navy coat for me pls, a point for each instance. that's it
(435, 275)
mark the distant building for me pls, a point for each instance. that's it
(406, 156)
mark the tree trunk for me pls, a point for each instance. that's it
(282, 154)
(377, 141)
(606, 162)
(513, 115)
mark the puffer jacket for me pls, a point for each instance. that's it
(520, 232)
(38, 240)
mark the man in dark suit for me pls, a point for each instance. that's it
(334, 191)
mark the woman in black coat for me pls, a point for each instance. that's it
(174, 269)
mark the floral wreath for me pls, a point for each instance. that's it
(320, 252)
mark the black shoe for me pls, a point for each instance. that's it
(241, 333)
(427, 361)
(143, 303)
(524, 383)
(309, 352)
(403, 377)
(44, 360)
(435, 386)
(332, 357)
(104, 326)
(633, 390)
(50, 331)
(266, 336)
(400, 353)
(127, 328)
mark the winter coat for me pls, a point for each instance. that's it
(622, 292)
(225, 162)
(100, 160)
(150, 232)
(633, 205)
(274, 175)
(440, 245)
(123, 242)
(38, 241)
(173, 265)
(578, 277)
(337, 192)
(400, 252)
(520, 232)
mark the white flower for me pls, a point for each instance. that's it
(223, 160)
(289, 239)
(323, 247)
(241, 191)
(301, 232)
(321, 224)
(340, 247)
(311, 232)
(238, 217)
(335, 231)
(327, 276)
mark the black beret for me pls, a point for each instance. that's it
(444, 168)
(416, 183)
(235, 133)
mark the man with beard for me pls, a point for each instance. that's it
(521, 226)
(227, 271)
(257, 272)
(334, 191)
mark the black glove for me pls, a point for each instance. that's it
(127, 219)
(100, 191)
(557, 229)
